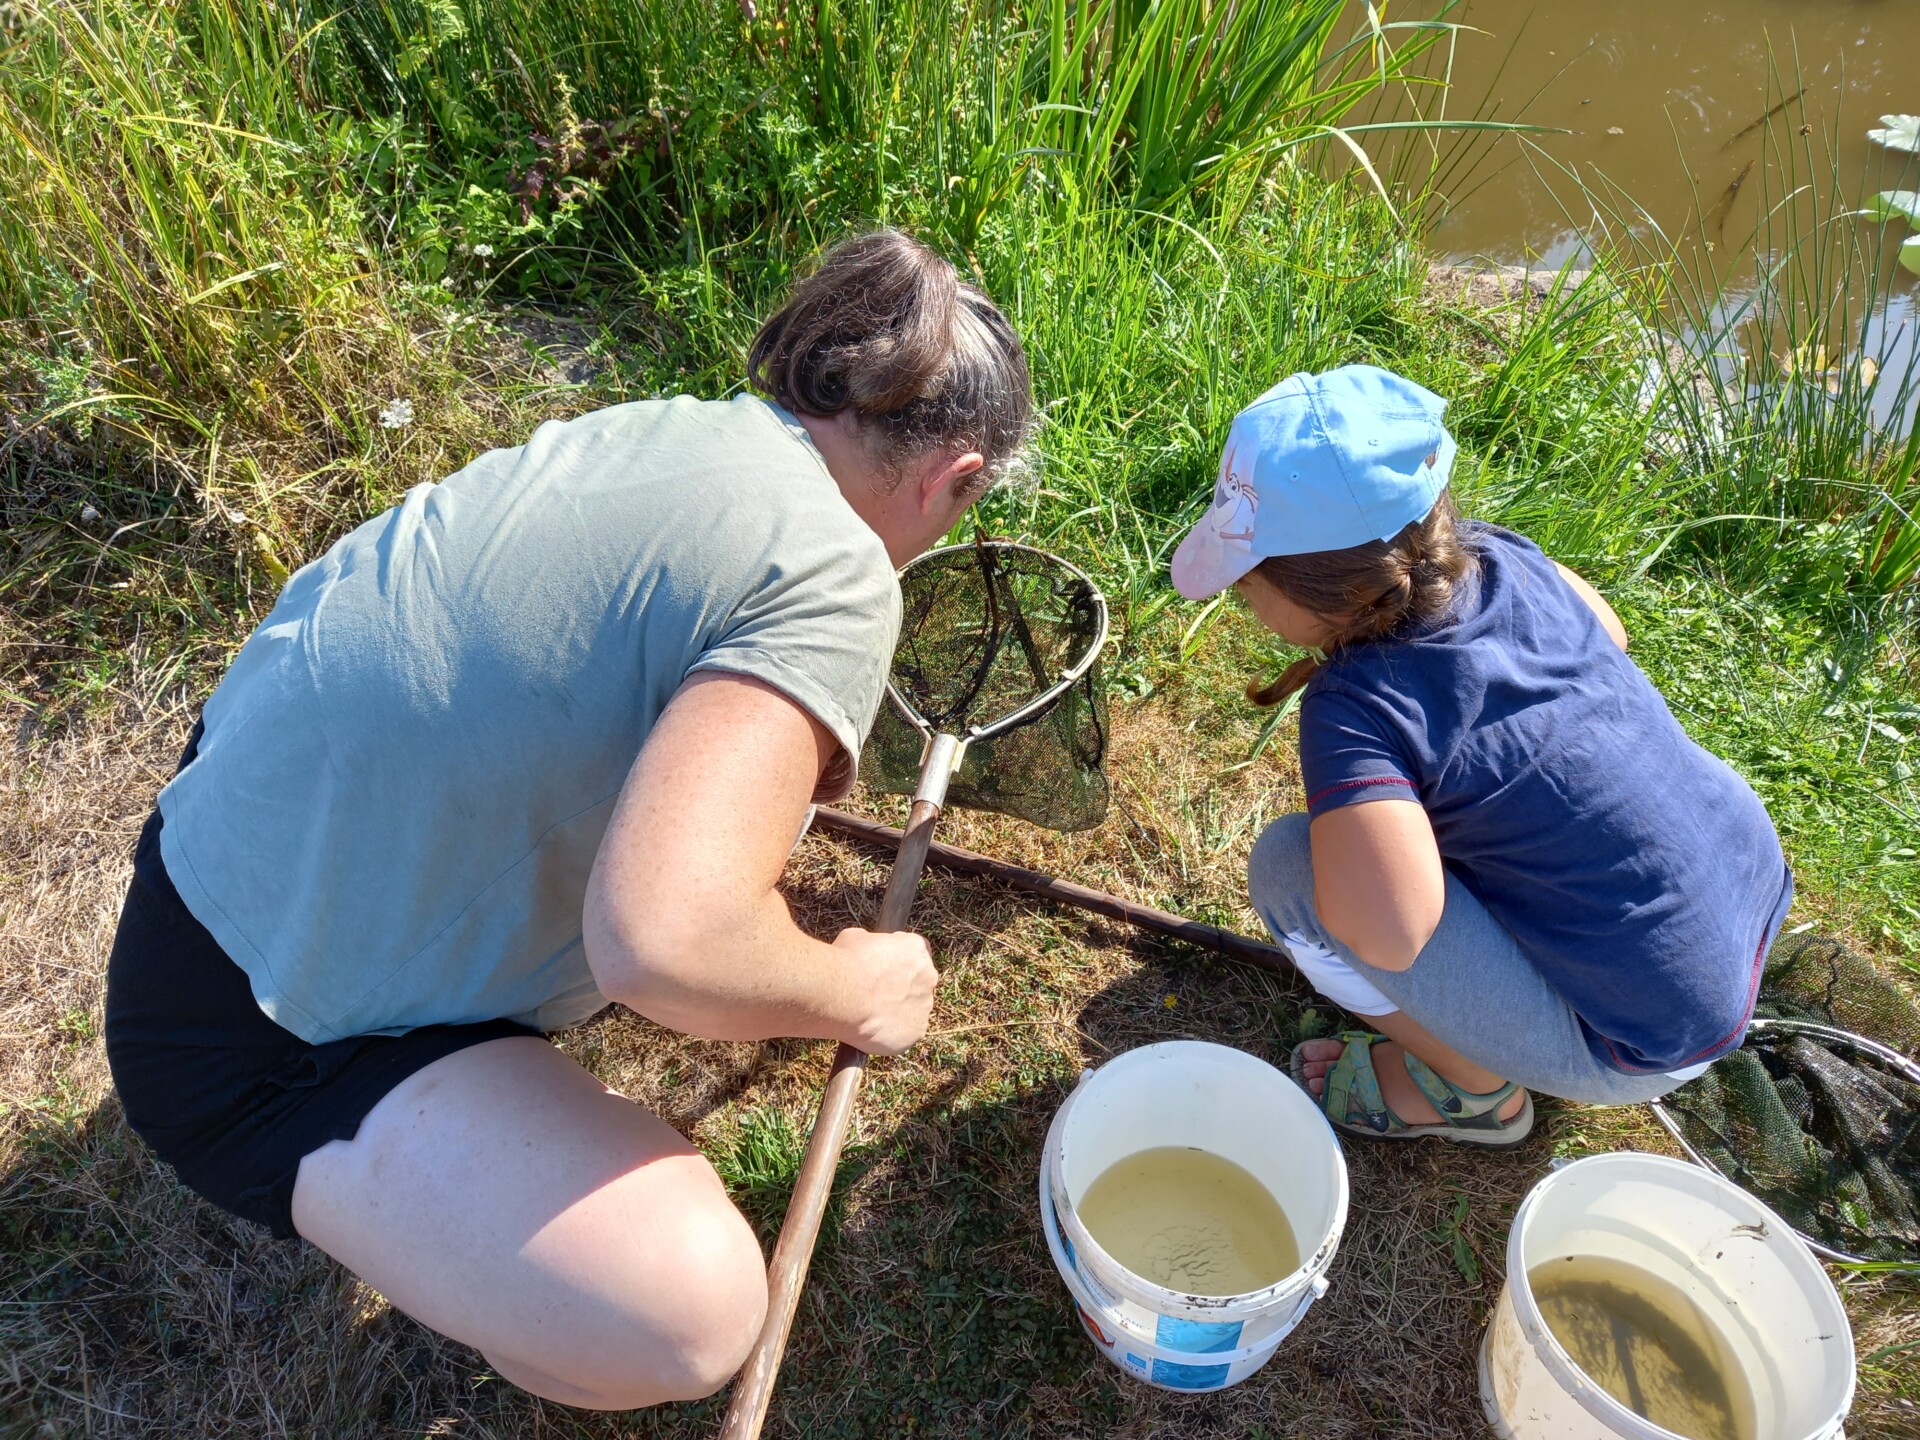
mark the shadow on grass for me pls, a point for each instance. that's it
(933, 1308)
(135, 1309)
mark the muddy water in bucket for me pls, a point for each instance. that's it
(1647, 1345)
(1190, 1220)
(1152, 1129)
(1647, 1298)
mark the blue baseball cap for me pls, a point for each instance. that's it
(1319, 462)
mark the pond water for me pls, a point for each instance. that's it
(1679, 115)
(1661, 99)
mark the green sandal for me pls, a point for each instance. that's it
(1352, 1101)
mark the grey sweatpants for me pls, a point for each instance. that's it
(1471, 987)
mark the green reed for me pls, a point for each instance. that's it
(1782, 414)
(228, 220)
(235, 229)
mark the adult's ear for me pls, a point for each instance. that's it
(942, 482)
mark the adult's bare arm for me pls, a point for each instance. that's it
(1377, 881)
(683, 922)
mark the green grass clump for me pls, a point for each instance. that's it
(240, 233)
(236, 233)
(759, 1160)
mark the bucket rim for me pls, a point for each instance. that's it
(1303, 1278)
(1546, 1345)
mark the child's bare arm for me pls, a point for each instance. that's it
(1597, 603)
(1377, 881)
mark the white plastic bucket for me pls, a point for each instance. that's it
(1165, 1366)
(1231, 1104)
(1751, 1276)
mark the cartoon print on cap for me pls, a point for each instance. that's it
(1234, 493)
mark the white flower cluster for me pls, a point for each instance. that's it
(397, 416)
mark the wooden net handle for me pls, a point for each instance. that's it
(753, 1390)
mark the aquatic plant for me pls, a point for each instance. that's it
(1901, 133)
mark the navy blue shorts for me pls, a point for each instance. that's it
(226, 1097)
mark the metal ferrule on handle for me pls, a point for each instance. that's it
(940, 759)
(793, 1254)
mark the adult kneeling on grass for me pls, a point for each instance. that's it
(537, 738)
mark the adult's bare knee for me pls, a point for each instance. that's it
(720, 1311)
(694, 1325)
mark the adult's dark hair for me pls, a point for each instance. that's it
(886, 328)
(1384, 586)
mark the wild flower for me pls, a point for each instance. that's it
(397, 415)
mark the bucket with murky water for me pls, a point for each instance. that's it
(1647, 1297)
(1236, 1130)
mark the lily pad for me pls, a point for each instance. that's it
(1910, 254)
(1902, 132)
(1888, 204)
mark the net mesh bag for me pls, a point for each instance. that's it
(987, 630)
(1823, 1128)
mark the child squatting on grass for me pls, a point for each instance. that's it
(1515, 867)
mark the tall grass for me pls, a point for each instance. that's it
(174, 209)
(939, 107)
(1146, 342)
(1154, 100)
(236, 229)
(1782, 380)
(204, 185)
(191, 318)
(1554, 422)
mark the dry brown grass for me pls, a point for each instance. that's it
(130, 1308)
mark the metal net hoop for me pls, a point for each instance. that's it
(1811, 1115)
(991, 633)
(999, 646)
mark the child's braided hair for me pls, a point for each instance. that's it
(1385, 585)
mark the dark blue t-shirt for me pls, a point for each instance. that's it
(1638, 872)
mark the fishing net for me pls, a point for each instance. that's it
(1818, 1113)
(999, 645)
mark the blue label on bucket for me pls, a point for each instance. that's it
(1189, 1377)
(1197, 1337)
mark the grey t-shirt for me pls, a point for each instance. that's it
(407, 771)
